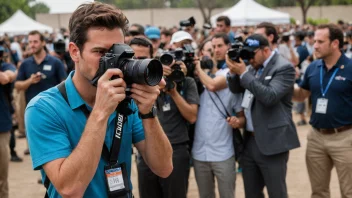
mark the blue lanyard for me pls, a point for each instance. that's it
(329, 83)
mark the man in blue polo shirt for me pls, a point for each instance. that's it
(7, 76)
(66, 137)
(328, 82)
(40, 71)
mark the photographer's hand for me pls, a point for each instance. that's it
(109, 92)
(144, 96)
(183, 67)
(235, 67)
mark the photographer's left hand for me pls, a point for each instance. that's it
(183, 67)
(145, 96)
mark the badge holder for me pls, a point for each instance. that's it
(117, 180)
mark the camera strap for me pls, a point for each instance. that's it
(115, 173)
(227, 113)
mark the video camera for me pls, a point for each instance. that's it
(189, 22)
(145, 71)
(60, 47)
(237, 51)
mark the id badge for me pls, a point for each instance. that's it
(247, 99)
(322, 105)
(116, 180)
(166, 107)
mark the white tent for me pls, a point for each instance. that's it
(249, 12)
(20, 23)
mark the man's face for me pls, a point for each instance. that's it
(220, 48)
(99, 40)
(221, 27)
(141, 52)
(258, 58)
(35, 44)
(323, 45)
(208, 50)
(156, 43)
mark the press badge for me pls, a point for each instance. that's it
(166, 107)
(47, 67)
(247, 99)
(322, 105)
(116, 179)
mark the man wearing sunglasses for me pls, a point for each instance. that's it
(270, 132)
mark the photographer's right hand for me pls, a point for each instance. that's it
(109, 92)
(166, 70)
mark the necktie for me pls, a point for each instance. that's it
(259, 72)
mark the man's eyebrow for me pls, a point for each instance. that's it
(100, 48)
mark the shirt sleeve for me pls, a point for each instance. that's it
(46, 134)
(191, 96)
(137, 125)
(7, 66)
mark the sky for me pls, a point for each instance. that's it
(63, 6)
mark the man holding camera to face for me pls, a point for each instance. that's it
(270, 132)
(213, 148)
(77, 140)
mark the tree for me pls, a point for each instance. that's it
(206, 7)
(40, 8)
(305, 5)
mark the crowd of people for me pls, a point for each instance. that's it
(224, 105)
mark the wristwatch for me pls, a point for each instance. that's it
(151, 114)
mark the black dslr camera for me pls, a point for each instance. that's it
(189, 22)
(237, 51)
(145, 72)
(176, 75)
(60, 47)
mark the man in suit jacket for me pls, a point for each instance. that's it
(270, 132)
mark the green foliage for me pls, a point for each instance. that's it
(9, 7)
(317, 21)
(292, 20)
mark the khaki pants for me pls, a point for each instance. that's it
(4, 164)
(20, 106)
(324, 152)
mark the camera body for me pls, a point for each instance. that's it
(237, 51)
(145, 72)
(59, 47)
(206, 63)
(189, 22)
(176, 75)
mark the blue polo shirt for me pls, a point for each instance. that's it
(54, 129)
(339, 95)
(51, 67)
(5, 115)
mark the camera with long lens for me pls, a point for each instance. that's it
(176, 75)
(237, 51)
(144, 72)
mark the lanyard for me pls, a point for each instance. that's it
(116, 143)
(329, 83)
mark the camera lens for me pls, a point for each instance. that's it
(166, 59)
(146, 71)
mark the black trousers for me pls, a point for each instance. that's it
(174, 186)
(259, 170)
(12, 143)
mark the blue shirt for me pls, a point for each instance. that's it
(5, 115)
(213, 137)
(54, 129)
(51, 67)
(302, 53)
(339, 95)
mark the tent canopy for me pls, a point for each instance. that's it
(249, 12)
(20, 23)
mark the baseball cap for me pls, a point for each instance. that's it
(152, 33)
(180, 36)
(254, 42)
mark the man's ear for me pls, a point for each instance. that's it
(74, 51)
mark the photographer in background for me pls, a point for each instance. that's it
(223, 25)
(177, 107)
(286, 49)
(214, 157)
(7, 76)
(66, 137)
(61, 53)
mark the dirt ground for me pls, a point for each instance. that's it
(23, 180)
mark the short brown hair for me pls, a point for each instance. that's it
(269, 29)
(335, 33)
(225, 19)
(36, 32)
(94, 15)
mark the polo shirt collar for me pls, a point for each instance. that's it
(73, 96)
(342, 61)
(46, 59)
